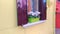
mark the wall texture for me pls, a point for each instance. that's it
(8, 20)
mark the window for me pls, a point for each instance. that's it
(31, 11)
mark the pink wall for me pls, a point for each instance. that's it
(57, 14)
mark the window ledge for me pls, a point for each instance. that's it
(34, 23)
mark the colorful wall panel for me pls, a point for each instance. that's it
(57, 13)
(57, 16)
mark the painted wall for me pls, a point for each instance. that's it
(57, 14)
(8, 20)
